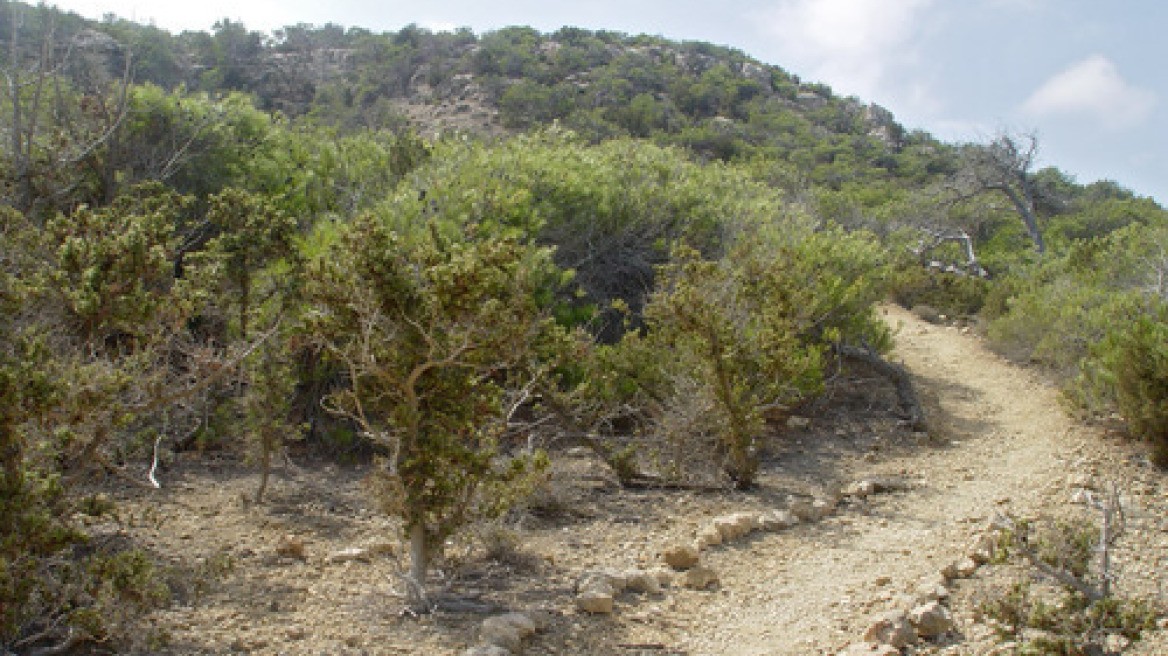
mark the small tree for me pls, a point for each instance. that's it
(252, 235)
(710, 316)
(433, 337)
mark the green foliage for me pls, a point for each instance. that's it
(48, 586)
(1133, 365)
(1094, 317)
(1050, 621)
(952, 294)
(1066, 624)
(433, 336)
(728, 341)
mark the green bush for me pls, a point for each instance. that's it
(1134, 363)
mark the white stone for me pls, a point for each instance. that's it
(348, 555)
(891, 629)
(931, 619)
(777, 520)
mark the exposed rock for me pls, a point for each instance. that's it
(700, 578)
(681, 557)
(595, 601)
(732, 527)
(931, 619)
(777, 520)
(1116, 644)
(891, 629)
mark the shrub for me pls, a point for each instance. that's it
(437, 340)
(1134, 363)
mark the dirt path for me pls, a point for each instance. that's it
(1009, 446)
(1000, 442)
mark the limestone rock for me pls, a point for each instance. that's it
(823, 507)
(983, 549)
(681, 557)
(931, 619)
(595, 601)
(348, 555)
(777, 520)
(732, 527)
(700, 578)
(1115, 643)
(891, 629)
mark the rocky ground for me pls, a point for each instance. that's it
(314, 569)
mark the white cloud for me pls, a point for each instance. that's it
(1095, 89)
(851, 44)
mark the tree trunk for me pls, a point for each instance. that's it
(1025, 209)
(265, 467)
(418, 564)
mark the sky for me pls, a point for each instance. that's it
(1086, 76)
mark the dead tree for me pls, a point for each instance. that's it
(1003, 166)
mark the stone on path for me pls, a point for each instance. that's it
(892, 628)
(931, 619)
(700, 578)
(681, 557)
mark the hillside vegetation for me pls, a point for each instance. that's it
(445, 252)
